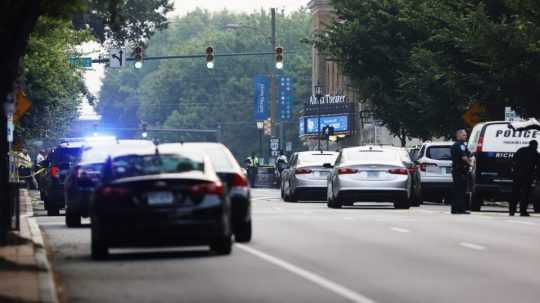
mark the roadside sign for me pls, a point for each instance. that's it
(22, 105)
(81, 62)
(274, 144)
(117, 57)
(288, 146)
(510, 115)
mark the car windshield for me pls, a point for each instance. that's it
(136, 165)
(375, 155)
(439, 153)
(316, 159)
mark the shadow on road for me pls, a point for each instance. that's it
(158, 255)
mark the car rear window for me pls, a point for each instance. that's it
(439, 153)
(221, 160)
(136, 165)
(65, 155)
(316, 159)
(371, 155)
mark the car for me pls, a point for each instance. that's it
(369, 174)
(306, 175)
(434, 161)
(79, 185)
(237, 185)
(416, 183)
(58, 165)
(160, 196)
(493, 145)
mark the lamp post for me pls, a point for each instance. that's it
(260, 126)
(318, 95)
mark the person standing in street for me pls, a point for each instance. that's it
(525, 164)
(461, 161)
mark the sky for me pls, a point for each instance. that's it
(94, 77)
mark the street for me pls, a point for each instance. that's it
(306, 252)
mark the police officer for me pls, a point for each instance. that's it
(461, 161)
(525, 163)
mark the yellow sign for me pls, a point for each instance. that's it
(474, 115)
(22, 105)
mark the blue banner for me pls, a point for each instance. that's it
(301, 126)
(285, 98)
(340, 123)
(261, 104)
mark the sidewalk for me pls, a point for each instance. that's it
(25, 272)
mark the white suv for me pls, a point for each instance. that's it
(434, 161)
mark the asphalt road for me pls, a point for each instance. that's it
(305, 252)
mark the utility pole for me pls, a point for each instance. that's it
(273, 94)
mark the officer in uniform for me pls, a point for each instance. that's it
(461, 161)
(525, 165)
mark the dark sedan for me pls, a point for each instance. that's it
(160, 196)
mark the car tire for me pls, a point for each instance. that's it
(333, 203)
(402, 204)
(73, 219)
(222, 246)
(293, 197)
(536, 206)
(475, 202)
(99, 247)
(243, 233)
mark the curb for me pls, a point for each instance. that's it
(47, 286)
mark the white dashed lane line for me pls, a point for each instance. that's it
(399, 229)
(521, 222)
(321, 281)
(472, 246)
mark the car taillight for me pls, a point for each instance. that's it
(346, 171)
(398, 171)
(109, 191)
(480, 145)
(54, 171)
(239, 181)
(424, 165)
(302, 171)
(412, 169)
(213, 188)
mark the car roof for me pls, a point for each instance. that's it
(439, 143)
(316, 152)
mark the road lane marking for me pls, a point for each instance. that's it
(472, 246)
(426, 211)
(51, 223)
(521, 222)
(308, 275)
(348, 218)
(399, 230)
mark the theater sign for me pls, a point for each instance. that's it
(335, 111)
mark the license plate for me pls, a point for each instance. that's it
(160, 198)
(435, 170)
(373, 174)
(321, 174)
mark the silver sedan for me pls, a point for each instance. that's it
(369, 174)
(306, 175)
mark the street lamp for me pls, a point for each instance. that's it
(260, 127)
(318, 95)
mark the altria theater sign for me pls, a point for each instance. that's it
(328, 105)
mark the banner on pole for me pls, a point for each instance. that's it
(261, 98)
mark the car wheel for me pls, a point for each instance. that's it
(99, 247)
(536, 206)
(402, 204)
(73, 219)
(222, 246)
(243, 233)
(333, 203)
(475, 202)
(294, 196)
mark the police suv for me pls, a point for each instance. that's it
(493, 145)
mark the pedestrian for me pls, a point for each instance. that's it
(525, 164)
(461, 162)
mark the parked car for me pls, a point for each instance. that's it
(416, 183)
(237, 185)
(369, 174)
(493, 145)
(79, 185)
(306, 175)
(58, 165)
(434, 161)
(160, 196)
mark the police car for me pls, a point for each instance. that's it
(493, 144)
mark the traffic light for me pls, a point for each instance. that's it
(144, 128)
(279, 57)
(139, 56)
(210, 57)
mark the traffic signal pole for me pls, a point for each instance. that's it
(273, 94)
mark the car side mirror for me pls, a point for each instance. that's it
(328, 165)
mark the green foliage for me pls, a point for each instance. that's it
(185, 94)
(423, 63)
(53, 86)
